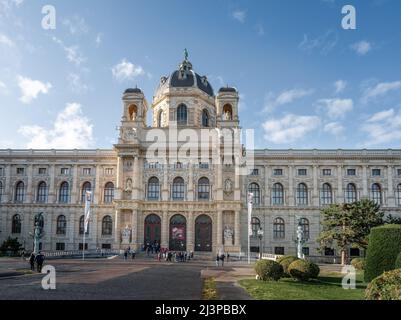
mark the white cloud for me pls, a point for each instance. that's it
(239, 15)
(324, 44)
(76, 84)
(336, 108)
(30, 89)
(260, 30)
(71, 130)
(98, 40)
(6, 40)
(379, 90)
(289, 128)
(340, 85)
(334, 128)
(361, 47)
(285, 97)
(126, 70)
(382, 128)
(72, 53)
(76, 25)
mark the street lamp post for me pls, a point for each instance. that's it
(260, 236)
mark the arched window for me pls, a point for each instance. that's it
(205, 118)
(159, 118)
(64, 194)
(302, 194)
(304, 223)
(278, 194)
(326, 196)
(109, 192)
(153, 189)
(255, 223)
(279, 228)
(41, 197)
(399, 194)
(1, 190)
(376, 193)
(82, 227)
(16, 224)
(107, 226)
(255, 190)
(61, 225)
(85, 187)
(178, 189)
(350, 193)
(227, 112)
(20, 192)
(182, 114)
(203, 189)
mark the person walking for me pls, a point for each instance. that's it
(40, 258)
(125, 254)
(32, 261)
(222, 257)
(217, 260)
(133, 253)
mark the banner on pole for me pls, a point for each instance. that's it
(250, 204)
(88, 200)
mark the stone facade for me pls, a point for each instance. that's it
(187, 203)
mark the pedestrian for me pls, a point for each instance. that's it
(217, 260)
(40, 258)
(125, 254)
(228, 256)
(133, 253)
(222, 257)
(32, 261)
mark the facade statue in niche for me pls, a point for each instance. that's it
(228, 235)
(126, 235)
(227, 115)
(128, 185)
(228, 186)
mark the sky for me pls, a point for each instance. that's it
(304, 81)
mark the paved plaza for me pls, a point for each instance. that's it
(140, 279)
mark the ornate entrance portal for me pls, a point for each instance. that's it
(203, 233)
(178, 233)
(152, 229)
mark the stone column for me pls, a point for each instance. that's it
(8, 192)
(291, 186)
(164, 231)
(136, 179)
(30, 191)
(52, 190)
(134, 228)
(75, 187)
(191, 192)
(237, 230)
(340, 192)
(191, 233)
(117, 241)
(97, 196)
(390, 190)
(267, 187)
(315, 187)
(219, 174)
(365, 193)
(119, 181)
(219, 229)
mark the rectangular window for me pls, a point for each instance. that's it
(278, 172)
(87, 171)
(328, 251)
(279, 250)
(255, 172)
(106, 246)
(327, 172)
(203, 165)
(302, 172)
(42, 171)
(20, 171)
(354, 252)
(376, 172)
(65, 171)
(1, 172)
(305, 251)
(109, 171)
(81, 245)
(351, 172)
(60, 246)
(399, 172)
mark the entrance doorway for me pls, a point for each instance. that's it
(178, 233)
(203, 234)
(152, 229)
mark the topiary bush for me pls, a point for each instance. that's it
(300, 270)
(314, 270)
(385, 287)
(358, 263)
(398, 262)
(285, 263)
(282, 258)
(268, 270)
(383, 249)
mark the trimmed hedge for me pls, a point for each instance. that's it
(285, 263)
(358, 263)
(383, 249)
(269, 270)
(385, 287)
(300, 270)
(398, 262)
(279, 260)
(314, 270)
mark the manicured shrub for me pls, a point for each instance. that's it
(383, 249)
(300, 270)
(358, 263)
(267, 270)
(285, 263)
(385, 287)
(398, 262)
(314, 270)
(282, 258)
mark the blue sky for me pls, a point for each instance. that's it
(304, 81)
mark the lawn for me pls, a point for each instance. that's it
(326, 287)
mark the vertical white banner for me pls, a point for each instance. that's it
(250, 204)
(88, 200)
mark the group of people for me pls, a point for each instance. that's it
(37, 259)
(220, 258)
(129, 252)
(181, 256)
